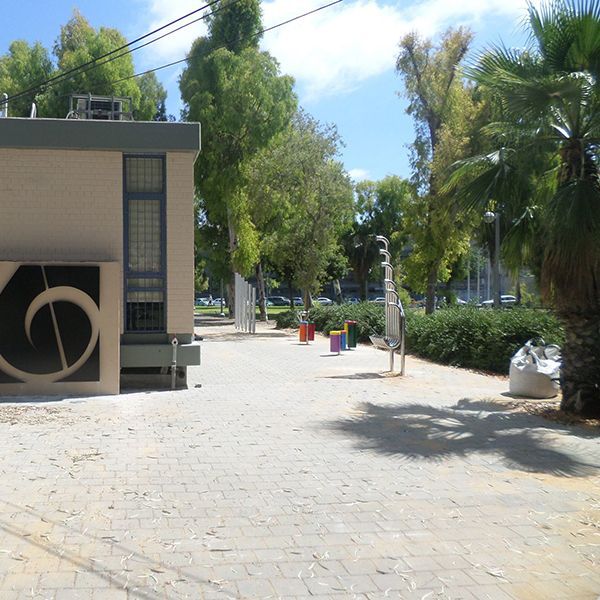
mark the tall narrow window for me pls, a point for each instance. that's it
(144, 222)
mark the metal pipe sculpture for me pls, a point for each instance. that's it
(245, 305)
(395, 319)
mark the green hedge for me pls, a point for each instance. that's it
(462, 336)
(479, 339)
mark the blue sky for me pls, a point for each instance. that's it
(342, 58)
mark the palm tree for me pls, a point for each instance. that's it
(546, 168)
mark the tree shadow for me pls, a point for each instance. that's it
(420, 431)
(357, 376)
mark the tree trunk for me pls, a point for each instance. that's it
(290, 294)
(580, 373)
(364, 287)
(262, 297)
(337, 290)
(518, 292)
(307, 296)
(431, 289)
(231, 297)
(231, 282)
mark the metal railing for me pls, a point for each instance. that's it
(245, 305)
(4, 106)
(395, 318)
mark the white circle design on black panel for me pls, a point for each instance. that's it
(58, 294)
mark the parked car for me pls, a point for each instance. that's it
(298, 301)
(202, 301)
(278, 301)
(378, 300)
(505, 300)
(324, 301)
(217, 302)
(352, 300)
(267, 302)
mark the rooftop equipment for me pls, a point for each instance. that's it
(104, 108)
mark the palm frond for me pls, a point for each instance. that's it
(498, 60)
(567, 34)
(495, 176)
(571, 272)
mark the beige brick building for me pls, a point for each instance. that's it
(93, 192)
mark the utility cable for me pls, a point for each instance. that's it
(75, 70)
(258, 33)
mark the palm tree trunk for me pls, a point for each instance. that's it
(580, 373)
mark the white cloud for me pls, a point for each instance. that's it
(336, 49)
(358, 174)
(175, 46)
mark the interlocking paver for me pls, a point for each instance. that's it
(290, 473)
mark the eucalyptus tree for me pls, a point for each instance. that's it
(25, 67)
(444, 110)
(546, 166)
(22, 67)
(238, 94)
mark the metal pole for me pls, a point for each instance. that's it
(488, 272)
(4, 106)
(222, 313)
(497, 303)
(402, 348)
(478, 277)
(469, 277)
(174, 343)
(235, 301)
(253, 309)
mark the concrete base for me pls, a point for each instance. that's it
(158, 355)
(152, 378)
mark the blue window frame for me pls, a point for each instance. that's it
(144, 225)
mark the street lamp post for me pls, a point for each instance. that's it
(494, 217)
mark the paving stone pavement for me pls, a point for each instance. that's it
(284, 472)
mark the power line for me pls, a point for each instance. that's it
(94, 62)
(258, 33)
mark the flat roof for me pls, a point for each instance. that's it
(84, 134)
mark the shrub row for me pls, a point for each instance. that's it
(480, 339)
(462, 336)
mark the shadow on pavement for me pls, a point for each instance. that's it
(420, 431)
(241, 337)
(357, 376)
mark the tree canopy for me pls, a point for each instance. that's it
(301, 202)
(26, 66)
(380, 209)
(443, 110)
(238, 94)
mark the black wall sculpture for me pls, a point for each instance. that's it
(49, 329)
